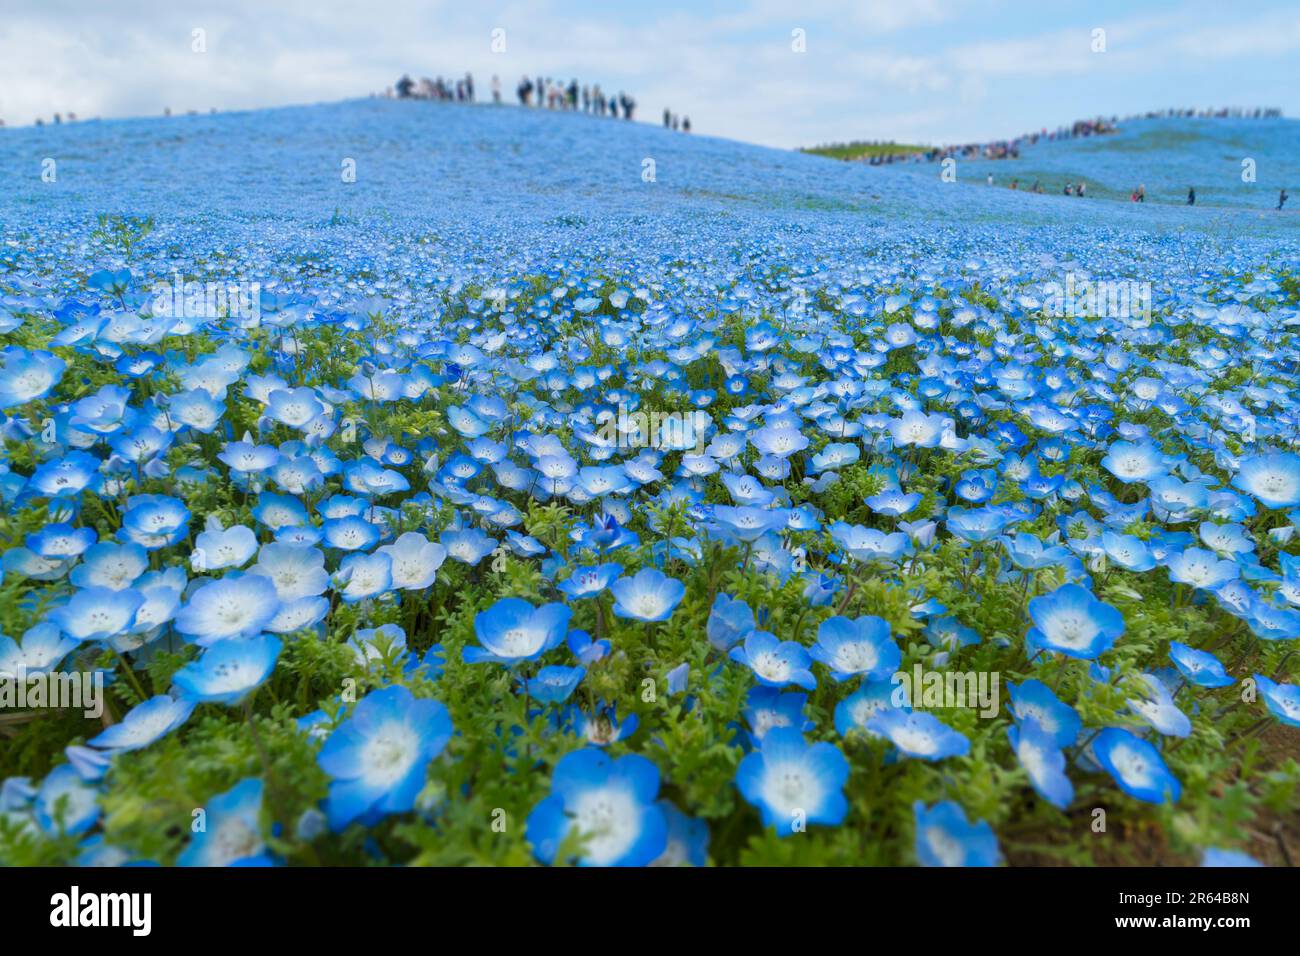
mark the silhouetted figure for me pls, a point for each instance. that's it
(1081, 190)
(1282, 197)
(686, 125)
(404, 86)
(1191, 195)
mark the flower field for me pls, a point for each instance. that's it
(398, 483)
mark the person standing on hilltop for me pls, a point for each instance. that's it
(686, 128)
(1191, 195)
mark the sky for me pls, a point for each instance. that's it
(777, 73)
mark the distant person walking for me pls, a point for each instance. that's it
(404, 86)
(1083, 187)
(1282, 197)
(1191, 195)
(496, 89)
(686, 128)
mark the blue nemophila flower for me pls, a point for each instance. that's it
(892, 502)
(917, 429)
(779, 442)
(377, 759)
(362, 576)
(246, 458)
(109, 564)
(97, 614)
(1044, 761)
(350, 533)
(90, 763)
(1156, 706)
(585, 649)
(65, 477)
(555, 684)
(65, 803)
(372, 644)
(794, 783)
(231, 607)
(1073, 622)
(42, 649)
(62, 540)
(853, 647)
(602, 811)
(775, 663)
(868, 544)
(918, 734)
(944, 837)
(1131, 462)
(1214, 856)
(1282, 700)
(1199, 667)
(770, 707)
(154, 521)
(747, 524)
(1128, 551)
(688, 839)
(730, 620)
(1136, 766)
(229, 670)
(1272, 478)
(217, 548)
(232, 832)
(976, 525)
(1028, 552)
(649, 595)
(590, 581)
(145, 723)
(512, 631)
(600, 727)
(1201, 569)
(296, 571)
(468, 545)
(27, 376)
(1034, 700)
(854, 713)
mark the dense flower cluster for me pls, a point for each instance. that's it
(367, 577)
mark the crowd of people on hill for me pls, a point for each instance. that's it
(539, 92)
(444, 90)
(557, 95)
(1010, 148)
(1227, 112)
(673, 121)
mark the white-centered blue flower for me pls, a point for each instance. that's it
(794, 783)
(604, 809)
(378, 758)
